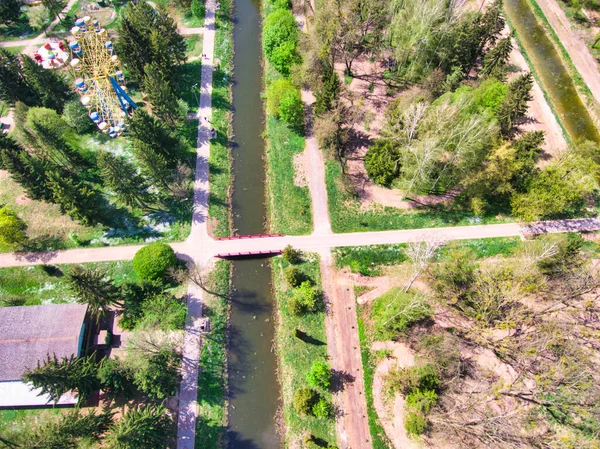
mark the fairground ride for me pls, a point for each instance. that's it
(99, 79)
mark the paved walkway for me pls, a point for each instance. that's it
(188, 392)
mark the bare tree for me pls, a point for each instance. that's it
(420, 253)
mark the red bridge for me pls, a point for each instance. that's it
(250, 236)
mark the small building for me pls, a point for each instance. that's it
(27, 335)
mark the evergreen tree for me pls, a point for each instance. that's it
(54, 7)
(328, 93)
(153, 165)
(13, 85)
(76, 116)
(514, 106)
(24, 169)
(496, 60)
(95, 288)
(75, 198)
(122, 177)
(49, 85)
(10, 11)
(161, 94)
(150, 36)
(12, 230)
(142, 428)
(56, 377)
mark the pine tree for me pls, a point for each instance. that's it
(95, 288)
(143, 428)
(495, 61)
(150, 132)
(328, 93)
(25, 170)
(514, 106)
(54, 7)
(13, 85)
(56, 377)
(161, 95)
(49, 85)
(122, 177)
(10, 11)
(75, 198)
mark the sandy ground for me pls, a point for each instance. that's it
(391, 415)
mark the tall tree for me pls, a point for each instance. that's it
(142, 428)
(49, 85)
(10, 11)
(12, 230)
(13, 85)
(496, 60)
(161, 94)
(54, 7)
(150, 36)
(514, 106)
(122, 177)
(55, 377)
(95, 288)
(76, 198)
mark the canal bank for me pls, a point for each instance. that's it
(253, 385)
(551, 72)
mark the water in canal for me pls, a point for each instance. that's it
(254, 388)
(551, 70)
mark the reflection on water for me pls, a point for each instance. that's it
(553, 74)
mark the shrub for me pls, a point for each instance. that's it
(381, 162)
(320, 375)
(163, 311)
(291, 255)
(12, 230)
(152, 261)
(416, 378)
(280, 40)
(421, 400)
(307, 296)
(293, 276)
(197, 8)
(323, 409)
(276, 92)
(304, 400)
(158, 376)
(280, 4)
(291, 110)
(415, 424)
(397, 311)
(295, 307)
(76, 116)
(116, 379)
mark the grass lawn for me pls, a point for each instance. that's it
(18, 30)
(212, 379)
(13, 420)
(194, 45)
(289, 205)
(347, 215)
(40, 284)
(15, 50)
(220, 159)
(296, 356)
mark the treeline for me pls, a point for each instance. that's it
(48, 158)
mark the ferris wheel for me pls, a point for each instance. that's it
(100, 81)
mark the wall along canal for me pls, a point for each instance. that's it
(552, 72)
(253, 383)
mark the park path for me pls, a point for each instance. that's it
(586, 64)
(192, 342)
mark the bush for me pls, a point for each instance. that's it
(158, 376)
(320, 375)
(76, 116)
(197, 8)
(323, 409)
(152, 261)
(294, 276)
(291, 255)
(304, 400)
(280, 4)
(307, 296)
(421, 400)
(291, 110)
(295, 307)
(276, 92)
(415, 424)
(381, 162)
(280, 40)
(116, 379)
(12, 230)
(396, 311)
(416, 378)
(164, 312)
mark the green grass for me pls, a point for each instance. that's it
(34, 286)
(220, 158)
(15, 50)
(212, 380)
(289, 205)
(194, 45)
(369, 362)
(347, 215)
(482, 248)
(296, 356)
(20, 28)
(12, 420)
(368, 260)
(190, 76)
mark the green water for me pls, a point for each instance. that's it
(551, 70)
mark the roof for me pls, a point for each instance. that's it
(19, 394)
(30, 333)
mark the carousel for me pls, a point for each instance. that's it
(51, 55)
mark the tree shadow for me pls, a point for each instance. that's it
(303, 336)
(340, 379)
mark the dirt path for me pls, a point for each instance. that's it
(343, 347)
(586, 64)
(391, 415)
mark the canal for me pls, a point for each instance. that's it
(253, 383)
(551, 70)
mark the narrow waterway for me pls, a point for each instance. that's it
(551, 70)
(254, 388)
